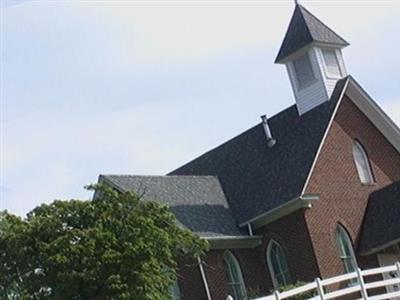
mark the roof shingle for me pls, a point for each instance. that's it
(382, 219)
(198, 202)
(305, 28)
(256, 178)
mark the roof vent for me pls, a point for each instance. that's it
(270, 140)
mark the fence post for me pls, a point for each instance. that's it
(398, 268)
(277, 295)
(320, 288)
(364, 293)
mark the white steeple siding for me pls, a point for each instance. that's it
(312, 54)
(321, 88)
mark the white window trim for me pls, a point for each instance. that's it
(341, 230)
(270, 265)
(228, 255)
(327, 74)
(357, 146)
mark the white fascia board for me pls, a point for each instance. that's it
(374, 113)
(304, 201)
(325, 136)
(234, 242)
(304, 49)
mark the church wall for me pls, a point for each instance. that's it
(290, 232)
(343, 198)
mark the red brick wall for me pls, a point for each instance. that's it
(190, 282)
(308, 236)
(343, 199)
(291, 232)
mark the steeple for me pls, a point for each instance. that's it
(312, 54)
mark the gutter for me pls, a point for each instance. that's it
(303, 201)
(204, 278)
(234, 242)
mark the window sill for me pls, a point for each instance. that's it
(333, 77)
(369, 184)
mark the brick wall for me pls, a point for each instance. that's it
(343, 199)
(308, 236)
(291, 232)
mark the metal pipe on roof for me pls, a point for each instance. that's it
(270, 139)
(250, 229)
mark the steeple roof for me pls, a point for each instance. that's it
(305, 28)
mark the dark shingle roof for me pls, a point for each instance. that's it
(382, 220)
(256, 178)
(305, 28)
(197, 201)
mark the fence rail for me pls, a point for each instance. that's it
(356, 285)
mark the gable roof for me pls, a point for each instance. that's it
(304, 29)
(254, 183)
(198, 202)
(381, 224)
(256, 178)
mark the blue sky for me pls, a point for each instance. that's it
(124, 87)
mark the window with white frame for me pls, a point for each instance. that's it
(331, 63)
(234, 276)
(304, 72)
(346, 250)
(277, 264)
(362, 163)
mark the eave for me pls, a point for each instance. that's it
(304, 201)
(374, 113)
(233, 242)
(380, 248)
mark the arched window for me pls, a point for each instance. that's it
(277, 264)
(346, 250)
(362, 163)
(174, 291)
(234, 276)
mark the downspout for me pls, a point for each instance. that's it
(250, 229)
(203, 276)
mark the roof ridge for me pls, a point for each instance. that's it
(160, 176)
(303, 9)
(304, 29)
(231, 139)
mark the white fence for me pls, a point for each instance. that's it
(356, 285)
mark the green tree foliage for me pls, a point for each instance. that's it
(113, 247)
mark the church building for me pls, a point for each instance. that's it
(313, 191)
